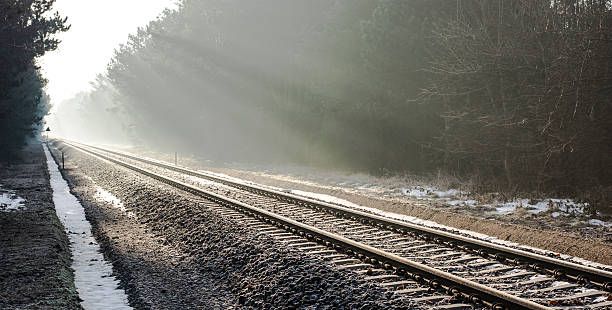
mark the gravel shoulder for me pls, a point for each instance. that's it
(175, 253)
(35, 256)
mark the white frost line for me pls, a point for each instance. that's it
(597, 222)
(92, 274)
(236, 180)
(431, 224)
(201, 181)
(9, 201)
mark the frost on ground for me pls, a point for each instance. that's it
(566, 214)
(453, 197)
(554, 211)
(431, 224)
(92, 274)
(404, 189)
(9, 201)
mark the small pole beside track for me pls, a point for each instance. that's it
(175, 159)
(47, 136)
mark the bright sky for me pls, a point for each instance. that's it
(98, 27)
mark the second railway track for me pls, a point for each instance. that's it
(397, 254)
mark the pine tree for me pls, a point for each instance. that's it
(26, 32)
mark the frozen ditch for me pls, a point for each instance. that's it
(92, 274)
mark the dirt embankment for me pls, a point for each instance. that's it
(34, 250)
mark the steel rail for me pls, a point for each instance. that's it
(437, 279)
(540, 263)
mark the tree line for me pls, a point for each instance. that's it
(26, 33)
(513, 93)
(526, 89)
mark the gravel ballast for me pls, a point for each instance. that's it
(175, 253)
(34, 250)
(594, 244)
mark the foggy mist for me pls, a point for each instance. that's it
(239, 81)
(375, 86)
(328, 154)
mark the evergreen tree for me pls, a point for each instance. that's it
(26, 32)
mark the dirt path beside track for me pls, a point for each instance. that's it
(34, 251)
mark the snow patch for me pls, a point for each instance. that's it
(93, 278)
(105, 196)
(456, 197)
(556, 207)
(453, 197)
(597, 222)
(431, 193)
(9, 201)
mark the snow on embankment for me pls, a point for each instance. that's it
(105, 196)
(92, 274)
(9, 201)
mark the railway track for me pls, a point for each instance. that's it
(433, 267)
